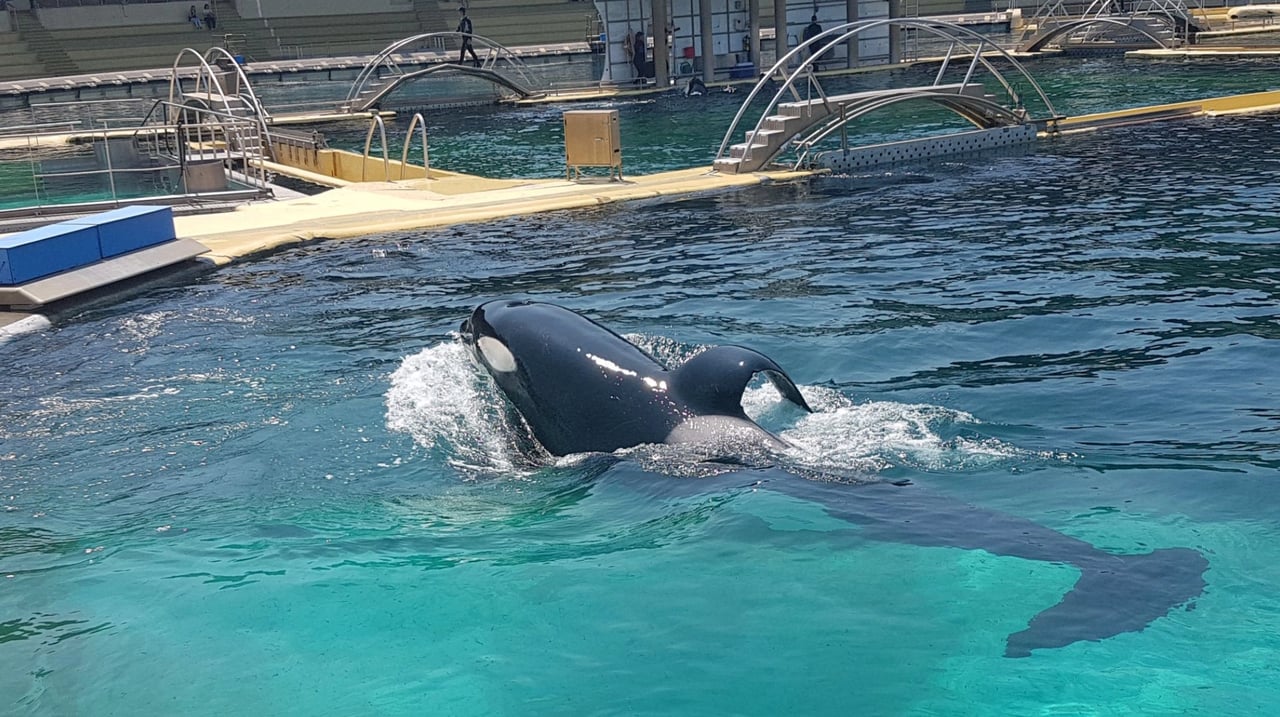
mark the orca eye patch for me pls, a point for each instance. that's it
(496, 354)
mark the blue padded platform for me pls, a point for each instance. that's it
(127, 229)
(43, 251)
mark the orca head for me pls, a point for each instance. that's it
(486, 341)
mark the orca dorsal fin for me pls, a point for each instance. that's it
(713, 381)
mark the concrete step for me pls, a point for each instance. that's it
(728, 165)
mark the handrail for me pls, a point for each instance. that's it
(106, 151)
(955, 102)
(1065, 28)
(207, 79)
(495, 52)
(368, 140)
(232, 126)
(20, 130)
(404, 156)
(956, 33)
(170, 141)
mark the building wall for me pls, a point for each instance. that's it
(304, 8)
(729, 28)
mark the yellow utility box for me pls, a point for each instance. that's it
(592, 139)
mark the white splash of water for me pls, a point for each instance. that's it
(440, 398)
(876, 435)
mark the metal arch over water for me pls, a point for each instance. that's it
(774, 132)
(500, 66)
(207, 82)
(1135, 23)
(242, 102)
(1161, 21)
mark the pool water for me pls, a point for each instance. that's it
(283, 487)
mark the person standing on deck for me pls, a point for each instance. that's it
(464, 27)
(812, 30)
(640, 57)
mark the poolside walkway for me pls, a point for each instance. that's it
(377, 207)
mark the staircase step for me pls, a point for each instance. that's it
(727, 165)
(739, 151)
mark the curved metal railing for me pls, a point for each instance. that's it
(971, 108)
(418, 121)
(1185, 19)
(968, 41)
(1072, 27)
(498, 60)
(376, 122)
(206, 81)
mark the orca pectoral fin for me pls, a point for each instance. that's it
(1115, 594)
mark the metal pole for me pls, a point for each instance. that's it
(661, 48)
(844, 131)
(708, 45)
(753, 34)
(779, 28)
(942, 69)
(35, 180)
(895, 32)
(106, 148)
(977, 55)
(851, 15)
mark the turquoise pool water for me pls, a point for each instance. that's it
(282, 487)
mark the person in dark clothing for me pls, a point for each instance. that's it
(464, 27)
(210, 19)
(639, 56)
(812, 30)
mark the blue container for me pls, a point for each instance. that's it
(44, 251)
(127, 229)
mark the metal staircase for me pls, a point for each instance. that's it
(44, 45)
(247, 37)
(430, 17)
(1081, 23)
(242, 139)
(792, 119)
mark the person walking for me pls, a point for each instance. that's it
(464, 27)
(640, 56)
(812, 30)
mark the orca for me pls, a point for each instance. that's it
(581, 388)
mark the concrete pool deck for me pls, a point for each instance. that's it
(379, 207)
